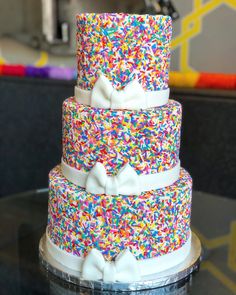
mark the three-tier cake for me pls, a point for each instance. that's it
(119, 202)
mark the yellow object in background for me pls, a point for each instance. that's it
(178, 79)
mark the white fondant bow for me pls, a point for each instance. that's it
(132, 97)
(123, 269)
(104, 95)
(126, 182)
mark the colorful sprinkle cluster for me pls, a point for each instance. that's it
(148, 139)
(123, 46)
(150, 225)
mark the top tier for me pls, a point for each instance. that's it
(123, 47)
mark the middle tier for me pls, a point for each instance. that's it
(149, 140)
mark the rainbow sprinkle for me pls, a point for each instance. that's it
(122, 47)
(148, 139)
(150, 225)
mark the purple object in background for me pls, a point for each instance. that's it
(36, 72)
(61, 73)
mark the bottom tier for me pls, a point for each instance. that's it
(154, 226)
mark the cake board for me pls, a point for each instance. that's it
(161, 279)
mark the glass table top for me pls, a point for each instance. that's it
(23, 220)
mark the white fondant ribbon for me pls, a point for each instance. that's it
(132, 97)
(126, 182)
(123, 269)
(142, 267)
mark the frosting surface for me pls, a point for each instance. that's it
(123, 47)
(149, 140)
(140, 267)
(150, 225)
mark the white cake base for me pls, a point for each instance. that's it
(159, 279)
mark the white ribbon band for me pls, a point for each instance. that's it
(132, 97)
(126, 182)
(144, 267)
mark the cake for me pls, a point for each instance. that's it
(119, 201)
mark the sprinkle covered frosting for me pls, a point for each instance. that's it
(123, 47)
(148, 140)
(150, 225)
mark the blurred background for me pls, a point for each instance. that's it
(204, 36)
(37, 72)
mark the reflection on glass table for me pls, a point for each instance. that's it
(23, 220)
